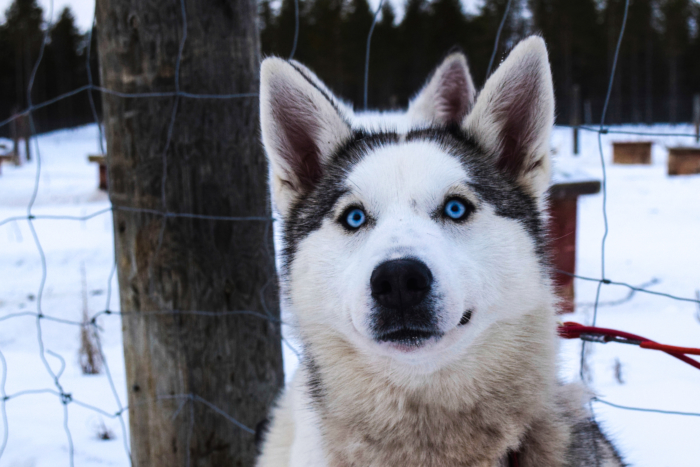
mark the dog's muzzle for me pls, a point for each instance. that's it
(403, 311)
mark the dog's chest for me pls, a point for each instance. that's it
(410, 434)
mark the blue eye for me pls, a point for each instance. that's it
(355, 218)
(455, 209)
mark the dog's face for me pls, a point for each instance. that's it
(411, 242)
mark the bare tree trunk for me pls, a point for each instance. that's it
(696, 116)
(648, 73)
(25, 128)
(673, 88)
(636, 116)
(14, 132)
(612, 34)
(211, 164)
(568, 66)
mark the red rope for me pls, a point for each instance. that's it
(672, 348)
(570, 330)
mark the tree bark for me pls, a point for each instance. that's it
(211, 164)
(648, 73)
(673, 88)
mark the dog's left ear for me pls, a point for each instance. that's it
(448, 96)
(343, 107)
(514, 114)
(302, 125)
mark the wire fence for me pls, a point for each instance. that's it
(66, 399)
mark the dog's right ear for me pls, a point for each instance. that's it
(514, 114)
(302, 125)
(448, 96)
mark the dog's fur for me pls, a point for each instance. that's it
(484, 384)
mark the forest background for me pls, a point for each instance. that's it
(658, 71)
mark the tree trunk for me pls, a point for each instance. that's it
(673, 88)
(634, 85)
(211, 164)
(648, 73)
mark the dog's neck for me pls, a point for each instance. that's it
(470, 413)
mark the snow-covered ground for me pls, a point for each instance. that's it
(654, 226)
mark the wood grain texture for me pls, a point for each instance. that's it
(215, 166)
(637, 152)
(683, 161)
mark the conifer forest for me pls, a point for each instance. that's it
(658, 71)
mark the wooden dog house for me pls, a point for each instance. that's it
(638, 152)
(684, 160)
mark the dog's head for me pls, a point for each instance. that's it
(411, 238)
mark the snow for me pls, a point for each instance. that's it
(654, 222)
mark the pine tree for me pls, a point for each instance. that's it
(640, 60)
(447, 28)
(8, 89)
(694, 52)
(22, 36)
(65, 67)
(575, 40)
(267, 24)
(384, 61)
(484, 28)
(355, 29)
(412, 53)
(322, 46)
(281, 42)
(676, 40)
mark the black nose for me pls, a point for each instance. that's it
(400, 283)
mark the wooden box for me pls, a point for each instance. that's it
(638, 152)
(563, 210)
(683, 161)
(102, 174)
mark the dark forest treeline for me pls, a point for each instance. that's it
(658, 70)
(63, 67)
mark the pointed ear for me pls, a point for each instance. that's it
(514, 114)
(343, 107)
(302, 125)
(448, 96)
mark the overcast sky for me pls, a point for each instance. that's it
(85, 9)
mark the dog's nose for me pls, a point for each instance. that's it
(400, 283)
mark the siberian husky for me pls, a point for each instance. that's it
(415, 266)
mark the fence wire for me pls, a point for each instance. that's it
(65, 398)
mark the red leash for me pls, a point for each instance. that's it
(570, 330)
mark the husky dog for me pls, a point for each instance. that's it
(414, 264)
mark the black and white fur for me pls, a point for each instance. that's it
(428, 340)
